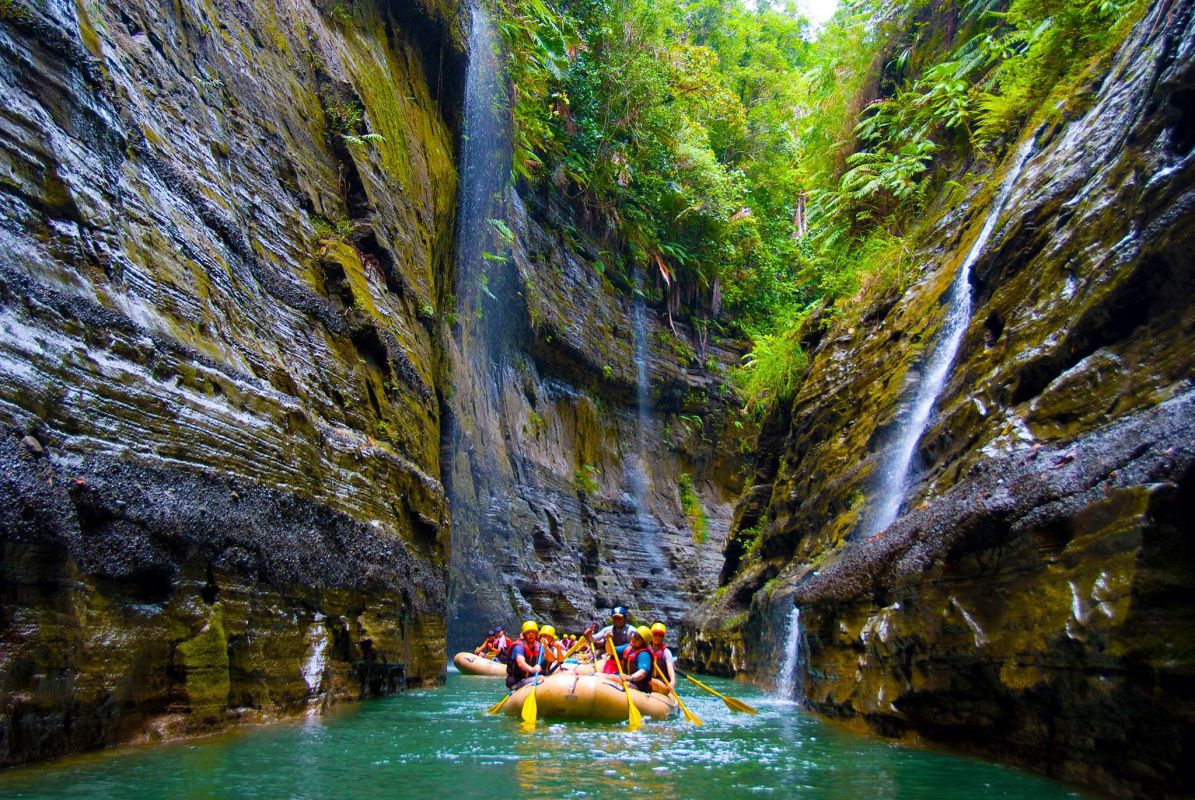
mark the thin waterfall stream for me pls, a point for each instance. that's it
(897, 460)
(787, 680)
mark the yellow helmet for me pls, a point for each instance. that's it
(547, 630)
(659, 628)
(643, 632)
(529, 625)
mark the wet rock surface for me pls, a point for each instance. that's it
(1031, 602)
(223, 234)
(558, 512)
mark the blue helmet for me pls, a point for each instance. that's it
(619, 611)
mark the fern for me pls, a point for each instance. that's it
(364, 140)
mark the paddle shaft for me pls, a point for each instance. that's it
(530, 709)
(689, 715)
(732, 703)
(633, 715)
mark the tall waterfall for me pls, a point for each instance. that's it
(786, 681)
(483, 156)
(638, 319)
(484, 162)
(648, 528)
(897, 460)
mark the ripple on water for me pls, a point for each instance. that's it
(439, 742)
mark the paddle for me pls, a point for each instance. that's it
(731, 703)
(572, 649)
(689, 715)
(529, 707)
(634, 718)
(496, 707)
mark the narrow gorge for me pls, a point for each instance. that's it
(335, 332)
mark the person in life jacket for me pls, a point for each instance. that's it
(486, 649)
(638, 661)
(662, 654)
(553, 650)
(618, 631)
(523, 657)
(501, 643)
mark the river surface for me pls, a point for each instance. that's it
(437, 743)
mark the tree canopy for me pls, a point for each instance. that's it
(757, 171)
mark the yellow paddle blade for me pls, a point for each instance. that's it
(731, 703)
(529, 708)
(634, 717)
(496, 707)
(738, 705)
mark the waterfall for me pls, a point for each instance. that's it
(647, 527)
(786, 681)
(897, 460)
(483, 151)
(638, 320)
(483, 164)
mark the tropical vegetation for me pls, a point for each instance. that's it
(757, 169)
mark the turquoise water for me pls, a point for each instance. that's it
(437, 743)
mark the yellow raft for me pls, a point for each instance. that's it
(471, 664)
(567, 695)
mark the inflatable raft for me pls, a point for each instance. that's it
(569, 696)
(470, 664)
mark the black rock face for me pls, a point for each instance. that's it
(1031, 600)
(219, 461)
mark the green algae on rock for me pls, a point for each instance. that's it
(1030, 602)
(236, 514)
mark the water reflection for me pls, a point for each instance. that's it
(588, 760)
(441, 742)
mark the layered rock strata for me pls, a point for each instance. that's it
(1032, 600)
(566, 501)
(223, 242)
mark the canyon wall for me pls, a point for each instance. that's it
(562, 507)
(1032, 600)
(224, 239)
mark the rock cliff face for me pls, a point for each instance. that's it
(224, 236)
(1032, 600)
(560, 509)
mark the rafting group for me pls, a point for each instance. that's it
(620, 672)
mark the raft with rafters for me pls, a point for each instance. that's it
(470, 664)
(599, 698)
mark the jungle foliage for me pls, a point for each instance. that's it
(745, 162)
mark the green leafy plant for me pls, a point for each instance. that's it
(535, 423)
(364, 140)
(585, 479)
(339, 229)
(694, 511)
(345, 117)
(771, 373)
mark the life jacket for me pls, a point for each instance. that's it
(531, 656)
(630, 656)
(502, 644)
(658, 657)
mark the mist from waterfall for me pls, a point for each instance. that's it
(897, 460)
